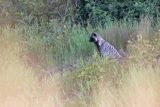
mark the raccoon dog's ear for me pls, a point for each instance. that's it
(94, 34)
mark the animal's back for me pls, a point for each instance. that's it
(106, 49)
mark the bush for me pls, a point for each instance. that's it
(102, 11)
(111, 78)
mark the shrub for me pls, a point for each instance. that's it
(102, 11)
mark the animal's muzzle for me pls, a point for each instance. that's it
(91, 40)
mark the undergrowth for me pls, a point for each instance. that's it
(27, 52)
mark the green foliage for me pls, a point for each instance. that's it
(42, 43)
(85, 79)
(100, 11)
(59, 43)
(94, 12)
(36, 11)
(72, 45)
(147, 52)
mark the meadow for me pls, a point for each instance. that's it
(56, 66)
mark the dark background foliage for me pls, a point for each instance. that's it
(95, 11)
(77, 11)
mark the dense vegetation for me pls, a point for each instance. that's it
(47, 61)
(78, 11)
(102, 11)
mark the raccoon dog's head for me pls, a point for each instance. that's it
(93, 38)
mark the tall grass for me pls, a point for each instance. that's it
(27, 52)
(138, 88)
(64, 44)
(132, 83)
(19, 84)
(108, 83)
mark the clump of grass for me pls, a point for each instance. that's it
(72, 45)
(113, 81)
(19, 84)
(118, 33)
(90, 83)
(104, 83)
(59, 43)
(139, 87)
